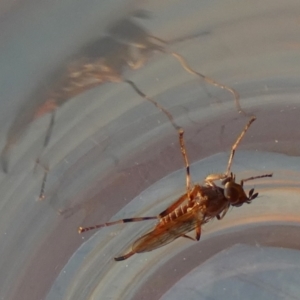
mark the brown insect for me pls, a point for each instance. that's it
(127, 45)
(196, 207)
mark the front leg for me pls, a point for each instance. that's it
(227, 175)
(211, 178)
(220, 217)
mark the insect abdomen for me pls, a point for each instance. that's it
(178, 212)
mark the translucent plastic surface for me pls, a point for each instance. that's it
(112, 154)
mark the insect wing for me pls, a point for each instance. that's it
(166, 233)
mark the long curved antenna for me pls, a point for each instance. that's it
(256, 177)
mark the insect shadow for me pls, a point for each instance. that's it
(199, 205)
(126, 46)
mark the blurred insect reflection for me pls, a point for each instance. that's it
(126, 46)
(199, 205)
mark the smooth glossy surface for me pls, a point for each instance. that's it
(109, 145)
(93, 263)
(242, 272)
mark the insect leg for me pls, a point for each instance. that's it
(189, 237)
(139, 92)
(123, 257)
(209, 80)
(198, 231)
(178, 128)
(5, 157)
(213, 177)
(46, 171)
(233, 148)
(186, 161)
(84, 229)
(49, 130)
(220, 217)
(46, 141)
(177, 40)
(42, 192)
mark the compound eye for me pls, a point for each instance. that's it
(235, 193)
(231, 193)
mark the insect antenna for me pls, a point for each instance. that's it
(256, 177)
(128, 220)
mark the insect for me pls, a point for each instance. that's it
(127, 45)
(199, 205)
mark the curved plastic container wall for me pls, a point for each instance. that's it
(112, 154)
